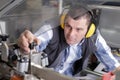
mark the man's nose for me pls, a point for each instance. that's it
(72, 32)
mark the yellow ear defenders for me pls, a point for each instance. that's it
(91, 29)
(62, 19)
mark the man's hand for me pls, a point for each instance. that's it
(25, 39)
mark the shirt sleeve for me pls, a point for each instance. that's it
(45, 34)
(104, 54)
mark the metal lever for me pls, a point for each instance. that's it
(31, 46)
(4, 47)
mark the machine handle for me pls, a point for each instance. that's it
(32, 45)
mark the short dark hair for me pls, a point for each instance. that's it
(78, 11)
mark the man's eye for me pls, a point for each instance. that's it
(67, 25)
(79, 29)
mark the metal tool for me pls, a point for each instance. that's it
(4, 48)
(31, 46)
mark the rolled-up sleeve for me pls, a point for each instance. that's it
(104, 54)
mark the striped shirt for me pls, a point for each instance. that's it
(73, 52)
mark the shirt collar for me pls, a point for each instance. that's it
(80, 43)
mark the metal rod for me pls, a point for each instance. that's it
(92, 72)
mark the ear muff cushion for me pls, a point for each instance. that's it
(91, 30)
(62, 19)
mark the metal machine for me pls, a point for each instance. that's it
(18, 64)
(14, 65)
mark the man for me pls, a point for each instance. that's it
(69, 47)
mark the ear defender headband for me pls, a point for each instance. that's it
(91, 28)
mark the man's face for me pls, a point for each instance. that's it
(75, 30)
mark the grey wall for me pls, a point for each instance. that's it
(110, 25)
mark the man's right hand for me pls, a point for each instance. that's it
(25, 39)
